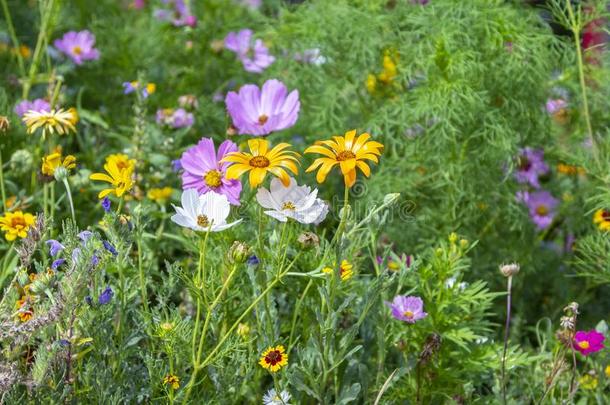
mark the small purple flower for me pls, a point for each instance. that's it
(176, 165)
(409, 309)
(108, 246)
(63, 342)
(85, 235)
(89, 300)
(204, 171)
(54, 247)
(180, 15)
(255, 58)
(553, 106)
(95, 260)
(541, 205)
(530, 166)
(78, 46)
(260, 112)
(75, 255)
(106, 204)
(37, 105)
(105, 296)
(252, 260)
(56, 263)
(178, 118)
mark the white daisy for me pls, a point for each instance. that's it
(203, 212)
(271, 398)
(296, 202)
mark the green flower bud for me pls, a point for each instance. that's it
(239, 252)
(21, 162)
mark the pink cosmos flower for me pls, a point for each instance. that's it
(409, 309)
(542, 207)
(255, 57)
(78, 46)
(204, 171)
(178, 118)
(260, 112)
(588, 342)
(37, 105)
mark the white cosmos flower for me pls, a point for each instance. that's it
(296, 202)
(271, 398)
(203, 212)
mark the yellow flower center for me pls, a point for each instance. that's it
(583, 345)
(288, 205)
(259, 161)
(542, 210)
(345, 155)
(18, 222)
(408, 314)
(203, 221)
(77, 50)
(213, 178)
(262, 120)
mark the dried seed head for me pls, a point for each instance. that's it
(509, 270)
(5, 124)
(308, 240)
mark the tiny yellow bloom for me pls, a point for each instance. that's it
(60, 121)
(151, 88)
(274, 358)
(16, 224)
(120, 179)
(25, 309)
(54, 160)
(172, 380)
(160, 195)
(348, 152)
(588, 382)
(346, 270)
(602, 219)
(122, 160)
(261, 161)
(607, 371)
(243, 330)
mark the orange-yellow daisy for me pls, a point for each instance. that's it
(172, 380)
(348, 152)
(120, 179)
(602, 219)
(51, 162)
(16, 224)
(261, 160)
(122, 160)
(60, 121)
(346, 270)
(274, 358)
(160, 195)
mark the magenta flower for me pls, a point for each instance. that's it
(37, 105)
(78, 46)
(180, 15)
(588, 342)
(555, 105)
(255, 57)
(260, 112)
(541, 205)
(179, 118)
(530, 166)
(204, 171)
(409, 309)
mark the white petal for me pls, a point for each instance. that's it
(280, 216)
(190, 200)
(182, 220)
(264, 198)
(222, 227)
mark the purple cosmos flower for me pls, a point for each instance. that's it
(409, 309)
(254, 58)
(37, 105)
(108, 246)
(588, 342)
(530, 166)
(105, 296)
(179, 16)
(204, 172)
(260, 112)
(57, 263)
(179, 118)
(54, 247)
(85, 235)
(541, 205)
(106, 204)
(553, 106)
(78, 46)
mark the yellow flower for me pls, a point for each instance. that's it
(16, 224)
(384, 82)
(602, 219)
(122, 160)
(588, 382)
(261, 160)
(120, 179)
(151, 88)
(346, 270)
(25, 310)
(53, 161)
(160, 195)
(274, 358)
(172, 380)
(607, 371)
(570, 170)
(243, 330)
(59, 121)
(371, 83)
(349, 153)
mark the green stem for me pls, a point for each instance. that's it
(297, 310)
(2, 181)
(142, 278)
(13, 35)
(199, 283)
(45, 19)
(69, 194)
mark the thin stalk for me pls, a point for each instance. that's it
(297, 310)
(69, 194)
(45, 19)
(142, 278)
(13, 35)
(2, 181)
(199, 281)
(506, 333)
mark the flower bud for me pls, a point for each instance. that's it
(308, 240)
(243, 330)
(453, 237)
(217, 45)
(5, 124)
(60, 173)
(509, 270)
(188, 101)
(391, 198)
(231, 130)
(239, 252)
(21, 162)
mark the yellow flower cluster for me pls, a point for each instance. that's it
(346, 270)
(51, 162)
(160, 195)
(384, 83)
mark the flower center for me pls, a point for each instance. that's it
(408, 314)
(584, 344)
(542, 210)
(18, 222)
(77, 50)
(262, 120)
(345, 155)
(273, 357)
(122, 165)
(259, 161)
(288, 205)
(203, 221)
(524, 164)
(606, 215)
(213, 178)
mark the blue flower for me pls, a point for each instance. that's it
(105, 296)
(85, 235)
(75, 255)
(57, 263)
(106, 204)
(176, 165)
(110, 248)
(95, 260)
(54, 247)
(89, 300)
(253, 260)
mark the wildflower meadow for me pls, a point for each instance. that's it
(304, 202)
